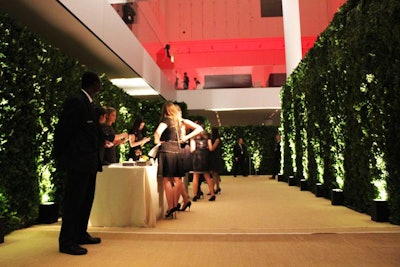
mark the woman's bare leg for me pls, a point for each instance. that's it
(216, 179)
(169, 191)
(195, 184)
(180, 191)
(210, 183)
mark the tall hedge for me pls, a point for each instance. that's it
(35, 79)
(32, 85)
(340, 107)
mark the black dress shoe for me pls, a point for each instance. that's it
(73, 250)
(89, 240)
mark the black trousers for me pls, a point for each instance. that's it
(276, 166)
(240, 166)
(78, 200)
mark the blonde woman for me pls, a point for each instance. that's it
(110, 153)
(170, 163)
(185, 151)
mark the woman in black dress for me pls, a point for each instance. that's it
(201, 146)
(170, 162)
(216, 158)
(187, 167)
(136, 139)
(110, 151)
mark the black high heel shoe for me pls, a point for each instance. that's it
(217, 191)
(187, 205)
(212, 198)
(200, 194)
(195, 198)
(171, 213)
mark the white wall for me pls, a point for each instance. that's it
(217, 99)
(104, 22)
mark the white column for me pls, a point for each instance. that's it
(292, 34)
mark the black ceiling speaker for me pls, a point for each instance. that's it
(128, 14)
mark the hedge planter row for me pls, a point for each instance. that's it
(379, 208)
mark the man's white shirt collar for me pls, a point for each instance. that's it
(88, 96)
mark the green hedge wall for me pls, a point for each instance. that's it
(260, 141)
(35, 79)
(32, 85)
(340, 107)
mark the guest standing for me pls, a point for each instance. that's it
(276, 161)
(170, 163)
(110, 153)
(216, 158)
(240, 158)
(77, 144)
(200, 146)
(137, 139)
(181, 188)
(197, 83)
(185, 81)
(105, 140)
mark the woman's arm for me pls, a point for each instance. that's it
(132, 142)
(191, 125)
(210, 145)
(157, 134)
(120, 138)
(132, 139)
(192, 145)
(215, 145)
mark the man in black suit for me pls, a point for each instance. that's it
(240, 158)
(276, 161)
(77, 152)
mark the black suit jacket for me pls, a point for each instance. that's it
(241, 154)
(77, 136)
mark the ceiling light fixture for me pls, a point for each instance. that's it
(134, 86)
(238, 109)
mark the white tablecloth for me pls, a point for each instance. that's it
(126, 196)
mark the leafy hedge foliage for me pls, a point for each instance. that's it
(341, 106)
(31, 84)
(260, 142)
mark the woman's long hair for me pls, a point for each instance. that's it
(214, 133)
(135, 128)
(170, 110)
(109, 110)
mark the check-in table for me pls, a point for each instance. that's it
(127, 196)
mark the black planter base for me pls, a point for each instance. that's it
(303, 185)
(2, 229)
(379, 211)
(320, 190)
(337, 197)
(291, 181)
(281, 178)
(48, 213)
